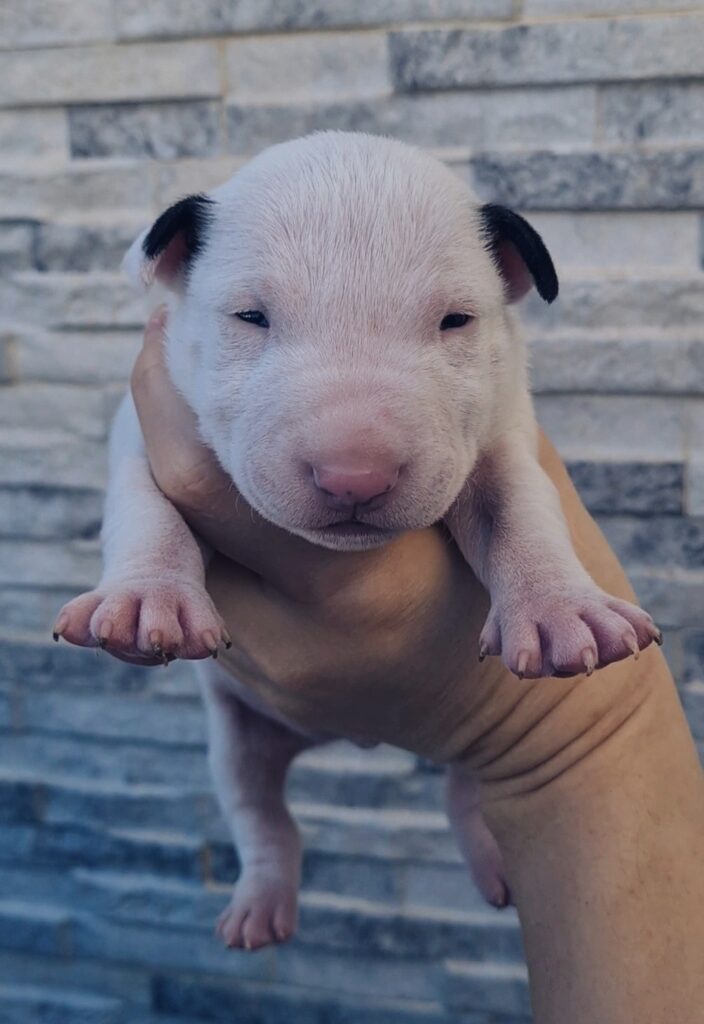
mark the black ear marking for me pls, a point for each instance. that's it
(503, 225)
(188, 217)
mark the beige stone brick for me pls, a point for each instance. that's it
(109, 73)
(305, 66)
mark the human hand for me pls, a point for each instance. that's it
(591, 786)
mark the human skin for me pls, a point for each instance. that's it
(592, 787)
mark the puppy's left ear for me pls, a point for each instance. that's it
(165, 250)
(520, 254)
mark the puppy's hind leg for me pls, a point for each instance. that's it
(249, 756)
(477, 844)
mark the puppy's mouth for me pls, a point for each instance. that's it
(353, 535)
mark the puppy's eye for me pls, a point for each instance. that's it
(253, 316)
(455, 320)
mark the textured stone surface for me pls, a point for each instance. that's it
(613, 239)
(602, 179)
(35, 191)
(156, 130)
(560, 8)
(670, 112)
(588, 51)
(54, 22)
(617, 361)
(294, 67)
(170, 18)
(502, 118)
(106, 73)
(35, 134)
(16, 246)
(638, 488)
(614, 426)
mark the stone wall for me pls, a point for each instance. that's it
(586, 115)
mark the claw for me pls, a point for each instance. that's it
(59, 627)
(658, 637)
(632, 646)
(588, 660)
(483, 651)
(522, 664)
(226, 640)
(155, 639)
(105, 634)
(210, 642)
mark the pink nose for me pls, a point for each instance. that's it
(354, 485)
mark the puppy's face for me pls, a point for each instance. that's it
(339, 327)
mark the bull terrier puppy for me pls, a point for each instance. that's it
(339, 321)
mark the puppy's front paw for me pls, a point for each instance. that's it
(565, 632)
(145, 618)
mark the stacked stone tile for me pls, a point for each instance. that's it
(588, 116)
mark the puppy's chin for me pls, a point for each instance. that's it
(347, 537)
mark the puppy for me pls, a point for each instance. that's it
(339, 321)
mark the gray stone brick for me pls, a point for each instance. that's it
(42, 1005)
(75, 357)
(486, 119)
(166, 18)
(692, 696)
(560, 8)
(630, 179)
(29, 191)
(32, 457)
(43, 512)
(78, 411)
(32, 134)
(610, 240)
(655, 303)
(119, 717)
(618, 362)
(105, 761)
(21, 799)
(501, 988)
(75, 845)
(635, 488)
(34, 927)
(71, 247)
(674, 597)
(33, 664)
(31, 610)
(68, 300)
(693, 656)
(109, 74)
(156, 130)
(16, 246)
(49, 563)
(596, 50)
(657, 541)
(694, 488)
(54, 22)
(627, 428)
(663, 112)
(299, 66)
(220, 1000)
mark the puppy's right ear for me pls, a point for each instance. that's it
(165, 250)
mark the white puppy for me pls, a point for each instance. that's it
(339, 323)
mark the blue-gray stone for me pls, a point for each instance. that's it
(158, 130)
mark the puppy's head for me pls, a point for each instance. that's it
(338, 323)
